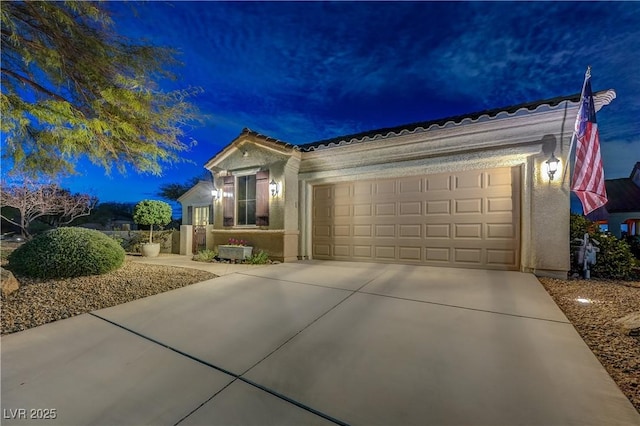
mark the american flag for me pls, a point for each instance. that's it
(588, 174)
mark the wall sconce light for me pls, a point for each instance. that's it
(274, 187)
(552, 166)
(216, 194)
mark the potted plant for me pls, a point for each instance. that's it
(235, 250)
(151, 212)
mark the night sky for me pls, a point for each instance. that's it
(302, 72)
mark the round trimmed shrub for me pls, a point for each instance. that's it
(66, 253)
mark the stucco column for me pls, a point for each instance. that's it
(186, 239)
(549, 220)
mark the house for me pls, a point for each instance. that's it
(621, 214)
(197, 216)
(472, 191)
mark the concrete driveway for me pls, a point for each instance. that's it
(317, 343)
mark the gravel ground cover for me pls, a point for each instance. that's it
(618, 352)
(39, 302)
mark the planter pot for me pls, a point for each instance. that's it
(151, 249)
(234, 252)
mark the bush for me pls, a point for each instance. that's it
(634, 244)
(135, 239)
(65, 253)
(205, 255)
(614, 260)
(258, 258)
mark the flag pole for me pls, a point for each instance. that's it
(587, 75)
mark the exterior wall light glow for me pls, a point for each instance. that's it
(274, 188)
(216, 194)
(552, 166)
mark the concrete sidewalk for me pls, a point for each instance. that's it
(318, 343)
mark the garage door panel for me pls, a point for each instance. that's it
(410, 208)
(468, 255)
(500, 177)
(410, 231)
(467, 230)
(438, 183)
(438, 207)
(466, 219)
(442, 230)
(501, 230)
(362, 230)
(385, 187)
(464, 206)
(341, 231)
(438, 254)
(342, 191)
(363, 251)
(469, 180)
(322, 250)
(499, 204)
(320, 231)
(385, 252)
(385, 231)
(411, 186)
(409, 253)
(501, 257)
(362, 189)
(385, 209)
(362, 210)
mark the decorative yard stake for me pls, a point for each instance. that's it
(586, 254)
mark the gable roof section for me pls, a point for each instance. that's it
(248, 135)
(601, 98)
(623, 195)
(202, 186)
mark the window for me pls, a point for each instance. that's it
(246, 200)
(201, 215)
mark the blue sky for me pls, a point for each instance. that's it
(302, 72)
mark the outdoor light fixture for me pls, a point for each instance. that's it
(216, 193)
(552, 166)
(274, 187)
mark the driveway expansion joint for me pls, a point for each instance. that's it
(462, 307)
(293, 282)
(229, 373)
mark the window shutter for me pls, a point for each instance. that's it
(262, 198)
(228, 206)
(210, 215)
(189, 218)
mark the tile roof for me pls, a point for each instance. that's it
(423, 126)
(249, 132)
(623, 194)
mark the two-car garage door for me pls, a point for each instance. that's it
(464, 219)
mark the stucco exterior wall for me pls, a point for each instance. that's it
(522, 140)
(249, 154)
(198, 196)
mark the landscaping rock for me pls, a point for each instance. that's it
(8, 282)
(42, 301)
(630, 324)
